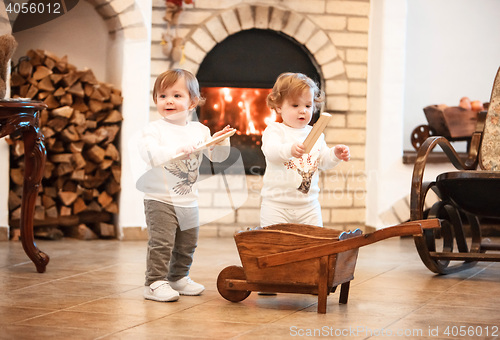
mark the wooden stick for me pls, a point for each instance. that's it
(316, 131)
(207, 144)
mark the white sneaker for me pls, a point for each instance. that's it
(160, 291)
(186, 286)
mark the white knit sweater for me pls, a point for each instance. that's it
(292, 182)
(174, 182)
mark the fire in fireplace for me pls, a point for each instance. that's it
(244, 109)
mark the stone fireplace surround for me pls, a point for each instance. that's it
(335, 33)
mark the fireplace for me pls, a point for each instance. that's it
(235, 78)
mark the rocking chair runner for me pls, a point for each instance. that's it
(472, 191)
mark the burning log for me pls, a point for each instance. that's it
(83, 168)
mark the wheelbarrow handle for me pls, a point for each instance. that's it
(405, 229)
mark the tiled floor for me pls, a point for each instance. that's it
(93, 290)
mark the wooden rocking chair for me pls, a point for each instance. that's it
(472, 191)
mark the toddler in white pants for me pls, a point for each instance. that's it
(290, 185)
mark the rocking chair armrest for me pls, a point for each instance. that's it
(417, 196)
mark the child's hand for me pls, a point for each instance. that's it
(186, 149)
(298, 149)
(226, 129)
(342, 152)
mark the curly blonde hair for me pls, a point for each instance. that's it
(291, 85)
(168, 78)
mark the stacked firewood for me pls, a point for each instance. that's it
(81, 181)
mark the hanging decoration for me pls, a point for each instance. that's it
(172, 44)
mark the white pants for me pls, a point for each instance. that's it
(311, 214)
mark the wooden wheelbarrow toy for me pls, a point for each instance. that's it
(296, 258)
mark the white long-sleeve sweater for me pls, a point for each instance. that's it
(288, 181)
(174, 182)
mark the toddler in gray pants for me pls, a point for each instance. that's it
(169, 147)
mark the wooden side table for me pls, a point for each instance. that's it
(22, 115)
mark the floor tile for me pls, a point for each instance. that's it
(93, 290)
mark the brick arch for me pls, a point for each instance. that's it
(121, 16)
(201, 39)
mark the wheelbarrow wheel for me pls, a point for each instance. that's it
(231, 273)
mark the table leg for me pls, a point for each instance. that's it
(34, 157)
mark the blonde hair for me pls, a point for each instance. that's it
(291, 85)
(168, 78)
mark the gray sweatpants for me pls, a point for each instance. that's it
(173, 236)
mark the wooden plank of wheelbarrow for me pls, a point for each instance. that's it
(404, 229)
(233, 284)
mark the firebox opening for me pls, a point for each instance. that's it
(235, 78)
(244, 109)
